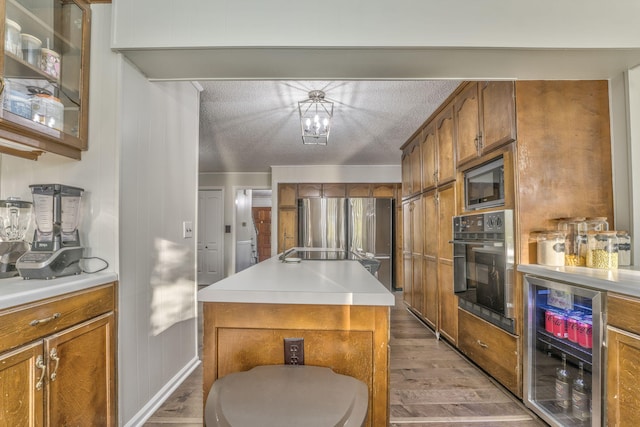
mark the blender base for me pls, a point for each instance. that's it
(49, 265)
(9, 254)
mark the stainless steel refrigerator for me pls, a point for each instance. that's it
(363, 226)
(322, 223)
(371, 233)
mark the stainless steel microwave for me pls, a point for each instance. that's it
(484, 185)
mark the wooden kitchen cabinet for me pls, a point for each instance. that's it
(359, 190)
(287, 229)
(334, 190)
(485, 118)
(429, 157)
(46, 102)
(446, 161)
(309, 190)
(412, 253)
(430, 269)
(412, 167)
(351, 340)
(623, 361)
(57, 360)
(287, 196)
(448, 301)
(384, 191)
(467, 121)
(491, 348)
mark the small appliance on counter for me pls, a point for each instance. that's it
(15, 217)
(56, 250)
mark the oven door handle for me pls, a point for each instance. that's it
(477, 242)
(493, 250)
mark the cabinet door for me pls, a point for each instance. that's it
(81, 374)
(430, 213)
(623, 388)
(287, 229)
(334, 190)
(418, 284)
(358, 190)
(287, 195)
(384, 191)
(431, 301)
(47, 88)
(309, 190)
(22, 384)
(429, 166)
(466, 110)
(446, 167)
(416, 168)
(448, 320)
(407, 285)
(417, 238)
(498, 114)
(406, 173)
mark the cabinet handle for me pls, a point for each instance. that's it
(36, 322)
(481, 344)
(53, 354)
(41, 365)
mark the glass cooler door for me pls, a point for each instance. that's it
(563, 352)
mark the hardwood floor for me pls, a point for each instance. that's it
(431, 384)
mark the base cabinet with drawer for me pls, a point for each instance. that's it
(623, 361)
(63, 371)
(491, 348)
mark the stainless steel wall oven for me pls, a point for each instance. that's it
(483, 256)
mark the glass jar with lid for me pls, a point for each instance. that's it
(603, 249)
(551, 248)
(624, 248)
(574, 230)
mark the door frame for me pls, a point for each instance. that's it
(234, 191)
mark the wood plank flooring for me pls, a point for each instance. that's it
(431, 384)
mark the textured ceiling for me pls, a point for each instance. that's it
(248, 126)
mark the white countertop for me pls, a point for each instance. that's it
(624, 280)
(306, 282)
(16, 291)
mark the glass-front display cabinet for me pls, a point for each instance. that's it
(45, 77)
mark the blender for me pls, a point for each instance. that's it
(55, 250)
(15, 217)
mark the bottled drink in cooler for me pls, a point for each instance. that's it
(563, 385)
(580, 396)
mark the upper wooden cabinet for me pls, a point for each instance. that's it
(429, 157)
(334, 190)
(412, 167)
(287, 196)
(444, 126)
(45, 73)
(467, 120)
(309, 190)
(485, 118)
(498, 114)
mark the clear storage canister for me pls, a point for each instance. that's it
(574, 230)
(624, 248)
(603, 249)
(551, 248)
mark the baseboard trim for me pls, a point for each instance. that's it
(162, 395)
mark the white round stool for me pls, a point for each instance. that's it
(287, 395)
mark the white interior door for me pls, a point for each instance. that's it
(210, 236)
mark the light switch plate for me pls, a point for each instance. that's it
(187, 229)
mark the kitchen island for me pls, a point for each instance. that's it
(338, 308)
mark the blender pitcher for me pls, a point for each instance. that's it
(15, 217)
(56, 250)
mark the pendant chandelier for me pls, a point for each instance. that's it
(315, 118)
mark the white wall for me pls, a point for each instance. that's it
(158, 191)
(633, 84)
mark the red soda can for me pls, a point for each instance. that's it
(585, 332)
(548, 321)
(572, 326)
(559, 325)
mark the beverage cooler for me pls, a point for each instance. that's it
(563, 352)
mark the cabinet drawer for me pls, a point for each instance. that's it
(493, 349)
(29, 322)
(623, 312)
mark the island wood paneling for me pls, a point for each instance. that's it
(352, 340)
